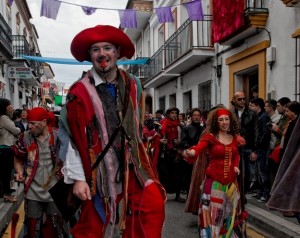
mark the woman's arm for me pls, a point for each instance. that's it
(191, 154)
(10, 126)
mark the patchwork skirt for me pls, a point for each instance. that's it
(219, 214)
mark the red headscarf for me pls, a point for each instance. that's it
(222, 111)
(38, 114)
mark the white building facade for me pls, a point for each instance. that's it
(186, 69)
(21, 80)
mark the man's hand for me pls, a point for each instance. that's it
(82, 190)
(19, 176)
(253, 156)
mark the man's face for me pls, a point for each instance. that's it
(37, 127)
(240, 100)
(254, 107)
(104, 56)
(280, 109)
(173, 115)
(268, 108)
(196, 117)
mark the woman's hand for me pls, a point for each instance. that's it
(241, 141)
(189, 153)
(237, 170)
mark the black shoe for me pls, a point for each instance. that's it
(256, 195)
(263, 199)
(179, 199)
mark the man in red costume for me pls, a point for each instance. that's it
(169, 164)
(93, 112)
(35, 165)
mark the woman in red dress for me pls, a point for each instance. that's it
(218, 209)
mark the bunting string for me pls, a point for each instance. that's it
(128, 19)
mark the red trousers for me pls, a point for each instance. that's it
(147, 210)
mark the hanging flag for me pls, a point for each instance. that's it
(195, 11)
(50, 8)
(88, 10)
(228, 18)
(128, 18)
(164, 14)
(10, 2)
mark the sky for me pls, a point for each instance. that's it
(55, 36)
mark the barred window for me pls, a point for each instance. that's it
(204, 95)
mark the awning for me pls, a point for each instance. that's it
(75, 62)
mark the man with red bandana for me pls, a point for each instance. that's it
(94, 109)
(35, 165)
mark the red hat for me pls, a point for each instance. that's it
(222, 111)
(38, 114)
(101, 33)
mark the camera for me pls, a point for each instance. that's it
(270, 125)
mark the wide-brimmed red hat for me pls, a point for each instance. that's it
(101, 33)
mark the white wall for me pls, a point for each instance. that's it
(282, 22)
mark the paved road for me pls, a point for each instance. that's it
(178, 224)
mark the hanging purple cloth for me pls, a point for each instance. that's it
(10, 2)
(164, 14)
(50, 8)
(195, 10)
(88, 10)
(128, 18)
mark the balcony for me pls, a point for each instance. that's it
(5, 39)
(255, 19)
(189, 47)
(21, 47)
(138, 70)
(291, 3)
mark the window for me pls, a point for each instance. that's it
(18, 22)
(187, 101)
(296, 35)
(204, 95)
(25, 32)
(172, 100)
(161, 35)
(162, 103)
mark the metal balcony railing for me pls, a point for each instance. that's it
(190, 35)
(138, 70)
(5, 34)
(155, 64)
(255, 6)
(21, 47)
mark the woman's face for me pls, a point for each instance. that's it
(291, 115)
(224, 123)
(9, 111)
